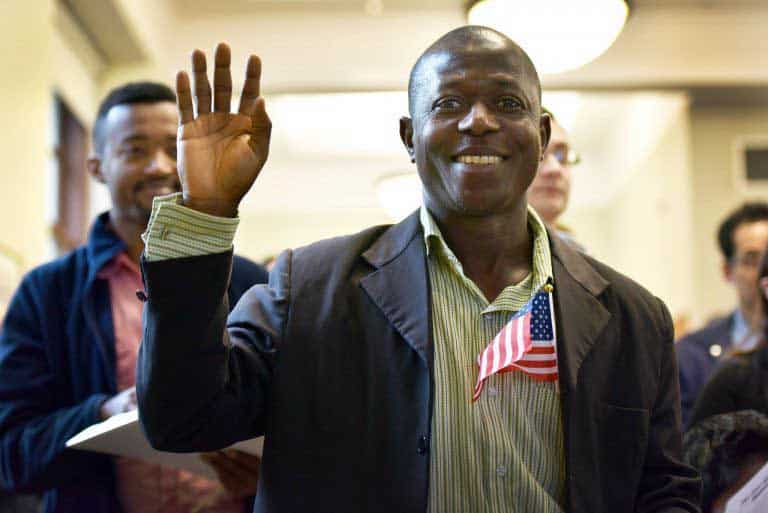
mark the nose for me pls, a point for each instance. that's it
(162, 163)
(550, 164)
(479, 120)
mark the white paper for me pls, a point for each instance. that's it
(752, 497)
(121, 435)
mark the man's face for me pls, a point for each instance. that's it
(138, 161)
(749, 241)
(476, 133)
(551, 188)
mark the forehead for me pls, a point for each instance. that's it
(751, 236)
(141, 119)
(490, 67)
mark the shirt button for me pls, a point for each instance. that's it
(501, 471)
(164, 233)
(423, 445)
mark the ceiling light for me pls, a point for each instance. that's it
(558, 35)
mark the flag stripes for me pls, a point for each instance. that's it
(526, 343)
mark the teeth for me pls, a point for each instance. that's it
(479, 159)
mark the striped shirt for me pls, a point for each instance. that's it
(501, 454)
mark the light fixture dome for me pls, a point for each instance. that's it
(558, 35)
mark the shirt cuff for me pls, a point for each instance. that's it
(175, 231)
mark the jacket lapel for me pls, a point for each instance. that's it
(580, 316)
(399, 285)
(580, 319)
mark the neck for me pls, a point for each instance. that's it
(495, 251)
(129, 232)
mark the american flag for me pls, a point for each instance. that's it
(526, 343)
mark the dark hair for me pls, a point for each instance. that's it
(128, 94)
(747, 213)
(720, 446)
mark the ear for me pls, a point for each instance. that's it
(764, 286)
(727, 271)
(545, 132)
(406, 135)
(93, 164)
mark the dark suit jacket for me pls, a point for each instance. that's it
(333, 361)
(695, 361)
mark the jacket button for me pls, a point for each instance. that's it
(423, 445)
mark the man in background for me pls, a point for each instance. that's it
(551, 187)
(742, 237)
(70, 339)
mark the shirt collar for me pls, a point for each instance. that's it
(120, 262)
(542, 257)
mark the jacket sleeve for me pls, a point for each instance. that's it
(668, 485)
(201, 385)
(33, 427)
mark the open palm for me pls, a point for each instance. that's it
(220, 153)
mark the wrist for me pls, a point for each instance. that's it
(212, 207)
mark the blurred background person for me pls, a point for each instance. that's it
(741, 381)
(742, 237)
(551, 188)
(728, 450)
(69, 342)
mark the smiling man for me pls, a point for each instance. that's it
(70, 338)
(460, 361)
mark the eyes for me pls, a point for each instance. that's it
(504, 104)
(137, 151)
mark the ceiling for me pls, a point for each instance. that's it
(328, 155)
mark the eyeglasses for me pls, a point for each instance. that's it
(749, 259)
(565, 156)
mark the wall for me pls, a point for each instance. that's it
(25, 103)
(715, 129)
(42, 53)
(642, 223)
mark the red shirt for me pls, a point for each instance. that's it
(142, 487)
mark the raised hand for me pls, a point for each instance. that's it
(220, 154)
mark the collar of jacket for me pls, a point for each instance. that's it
(395, 240)
(102, 245)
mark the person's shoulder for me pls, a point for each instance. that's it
(735, 368)
(337, 250)
(714, 330)
(55, 279)
(69, 265)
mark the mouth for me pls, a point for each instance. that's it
(483, 160)
(158, 189)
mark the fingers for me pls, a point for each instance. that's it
(201, 84)
(222, 79)
(184, 98)
(233, 477)
(250, 463)
(251, 86)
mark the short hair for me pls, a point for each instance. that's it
(719, 447)
(463, 37)
(128, 94)
(748, 213)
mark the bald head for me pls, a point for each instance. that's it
(465, 41)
